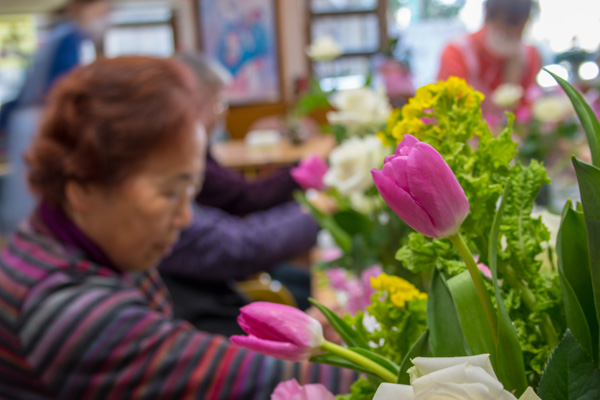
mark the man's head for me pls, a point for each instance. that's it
(505, 21)
(213, 79)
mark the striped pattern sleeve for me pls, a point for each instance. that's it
(96, 340)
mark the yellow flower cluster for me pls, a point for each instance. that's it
(400, 290)
(432, 101)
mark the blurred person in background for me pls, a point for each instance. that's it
(84, 314)
(223, 188)
(495, 55)
(70, 43)
(221, 246)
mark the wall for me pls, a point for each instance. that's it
(292, 35)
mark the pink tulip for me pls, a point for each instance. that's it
(310, 172)
(420, 187)
(292, 390)
(280, 331)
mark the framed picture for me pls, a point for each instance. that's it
(242, 35)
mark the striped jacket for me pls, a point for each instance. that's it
(73, 329)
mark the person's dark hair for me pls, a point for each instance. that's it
(513, 12)
(103, 120)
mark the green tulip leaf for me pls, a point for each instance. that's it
(588, 179)
(419, 349)
(510, 366)
(337, 361)
(350, 336)
(384, 362)
(586, 115)
(570, 373)
(326, 222)
(353, 222)
(471, 315)
(575, 278)
(446, 336)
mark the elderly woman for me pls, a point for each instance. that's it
(83, 313)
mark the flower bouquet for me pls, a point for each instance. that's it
(523, 332)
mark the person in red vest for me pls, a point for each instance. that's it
(495, 54)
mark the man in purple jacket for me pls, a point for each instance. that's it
(240, 228)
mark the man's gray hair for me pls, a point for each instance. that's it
(209, 73)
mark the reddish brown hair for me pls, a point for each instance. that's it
(104, 119)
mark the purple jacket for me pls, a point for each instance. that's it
(231, 192)
(219, 247)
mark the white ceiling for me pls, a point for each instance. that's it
(41, 6)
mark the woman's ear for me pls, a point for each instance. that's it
(79, 197)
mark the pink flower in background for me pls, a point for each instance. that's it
(337, 278)
(292, 390)
(523, 114)
(371, 272)
(421, 189)
(358, 290)
(485, 270)
(279, 331)
(310, 172)
(331, 254)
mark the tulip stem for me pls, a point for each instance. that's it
(363, 361)
(484, 296)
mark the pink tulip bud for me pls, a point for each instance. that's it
(310, 172)
(280, 331)
(292, 390)
(421, 188)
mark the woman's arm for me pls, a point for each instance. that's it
(93, 340)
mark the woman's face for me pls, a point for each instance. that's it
(138, 222)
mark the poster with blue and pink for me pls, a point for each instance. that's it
(241, 35)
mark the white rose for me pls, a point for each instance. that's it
(350, 164)
(359, 108)
(507, 95)
(459, 378)
(324, 48)
(552, 109)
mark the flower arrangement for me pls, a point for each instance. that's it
(526, 332)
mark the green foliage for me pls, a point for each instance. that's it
(446, 338)
(398, 327)
(571, 374)
(482, 164)
(360, 390)
(576, 279)
(509, 357)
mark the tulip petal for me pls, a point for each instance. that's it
(315, 391)
(403, 204)
(286, 389)
(433, 184)
(396, 169)
(281, 350)
(406, 145)
(283, 323)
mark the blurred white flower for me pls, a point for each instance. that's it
(350, 164)
(360, 109)
(507, 95)
(365, 204)
(553, 108)
(324, 48)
